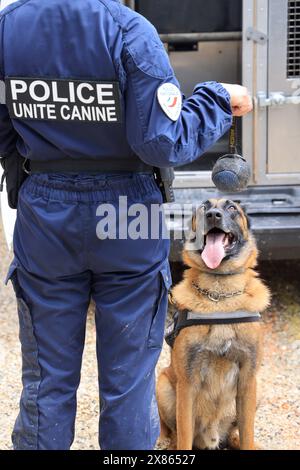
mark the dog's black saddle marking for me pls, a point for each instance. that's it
(185, 318)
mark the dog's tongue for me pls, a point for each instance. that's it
(214, 250)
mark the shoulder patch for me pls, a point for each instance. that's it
(170, 100)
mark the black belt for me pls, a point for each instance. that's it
(87, 166)
(185, 318)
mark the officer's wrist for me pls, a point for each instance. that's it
(217, 88)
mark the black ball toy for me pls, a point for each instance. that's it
(231, 173)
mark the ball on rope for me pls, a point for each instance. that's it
(231, 173)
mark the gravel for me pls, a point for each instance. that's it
(278, 416)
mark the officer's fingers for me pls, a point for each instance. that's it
(239, 112)
(248, 104)
(244, 107)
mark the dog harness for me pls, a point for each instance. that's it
(185, 318)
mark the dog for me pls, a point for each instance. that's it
(207, 395)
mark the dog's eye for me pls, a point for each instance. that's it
(232, 208)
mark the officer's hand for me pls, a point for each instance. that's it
(241, 102)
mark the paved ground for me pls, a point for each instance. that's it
(278, 418)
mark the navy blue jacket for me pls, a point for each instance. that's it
(103, 40)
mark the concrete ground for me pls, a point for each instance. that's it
(278, 417)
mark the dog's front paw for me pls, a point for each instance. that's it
(233, 442)
(162, 443)
(258, 446)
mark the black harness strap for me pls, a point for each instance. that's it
(185, 318)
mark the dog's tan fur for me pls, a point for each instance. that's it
(205, 397)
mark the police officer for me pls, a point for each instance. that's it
(93, 104)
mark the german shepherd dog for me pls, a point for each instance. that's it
(207, 395)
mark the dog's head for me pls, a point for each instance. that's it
(220, 239)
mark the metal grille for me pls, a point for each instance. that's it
(293, 51)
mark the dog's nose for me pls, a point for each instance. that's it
(214, 215)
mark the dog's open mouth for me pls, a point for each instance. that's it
(217, 245)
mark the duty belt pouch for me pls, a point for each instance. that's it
(13, 165)
(164, 178)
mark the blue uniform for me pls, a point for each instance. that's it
(60, 262)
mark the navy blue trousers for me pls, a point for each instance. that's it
(60, 264)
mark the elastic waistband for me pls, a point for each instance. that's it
(89, 188)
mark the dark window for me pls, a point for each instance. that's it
(293, 42)
(192, 16)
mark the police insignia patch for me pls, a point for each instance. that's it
(170, 99)
(63, 100)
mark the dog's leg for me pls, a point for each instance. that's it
(184, 415)
(165, 432)
(246, 407)
(173, 442)
(166, 405)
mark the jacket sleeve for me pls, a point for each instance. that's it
(157, 139)
(8, 135)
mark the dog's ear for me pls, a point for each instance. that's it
(193, 223)
(248, 221)
(191, 228)
(246, 216)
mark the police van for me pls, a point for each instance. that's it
(256, 43)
